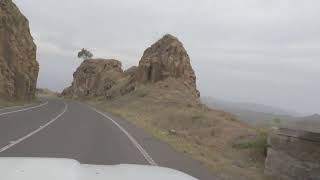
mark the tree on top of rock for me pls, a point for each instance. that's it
(85, 54)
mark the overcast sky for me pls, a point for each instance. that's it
(262, 51)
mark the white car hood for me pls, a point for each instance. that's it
(67, 169)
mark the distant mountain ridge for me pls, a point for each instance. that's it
(263, 115)
(310, 123)
(252, 113)
(314, 117)
(250, 106)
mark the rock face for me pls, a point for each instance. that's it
(94, 77)
(18, 65)
(167, 58)
(293, 155)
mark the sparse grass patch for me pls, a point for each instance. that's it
(259, 142)
(11, 103)
(141, 92)
(198, 119)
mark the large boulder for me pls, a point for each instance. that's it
(18, 65)
(164, 66)
(293, 155)
(167, 58)
(94, 77)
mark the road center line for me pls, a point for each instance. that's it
(134, 141)
(24, 109)
(13, 143)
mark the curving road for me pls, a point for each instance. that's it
(69, 129)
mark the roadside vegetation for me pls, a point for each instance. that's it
(258, 142)
(12, 103)
(6, 103)
(39, 92)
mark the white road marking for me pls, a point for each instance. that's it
(135, 142)
(24, 109)
(13, 143)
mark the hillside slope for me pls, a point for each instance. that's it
(160, 95)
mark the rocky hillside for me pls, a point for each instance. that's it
(18, 65)
(160, 96)
(166, 59)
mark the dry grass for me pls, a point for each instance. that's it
(11, 103)
(6, 103)
(230, 148)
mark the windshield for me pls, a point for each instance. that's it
(164, 89)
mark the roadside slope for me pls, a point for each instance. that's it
(216, 139)
(161, 96)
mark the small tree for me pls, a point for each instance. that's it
(85, 54)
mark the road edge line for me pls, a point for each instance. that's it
(131, 138)
(25, 109)
(35, 131)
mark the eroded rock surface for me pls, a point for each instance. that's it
(18, 65)
(166, 61)
(94, 77)
(167, 58)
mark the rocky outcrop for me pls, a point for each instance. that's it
(167, 58)
(94, 78)
(131, 71)
(293, 155)
(18, 65)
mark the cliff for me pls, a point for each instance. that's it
(18, 65)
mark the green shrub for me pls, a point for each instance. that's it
(260, 142)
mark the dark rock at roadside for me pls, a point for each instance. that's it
(18, 66)
(293, 155)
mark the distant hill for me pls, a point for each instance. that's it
(255, 114)
(311, 123)
(313, 118)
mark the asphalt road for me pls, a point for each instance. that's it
(69, 129)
